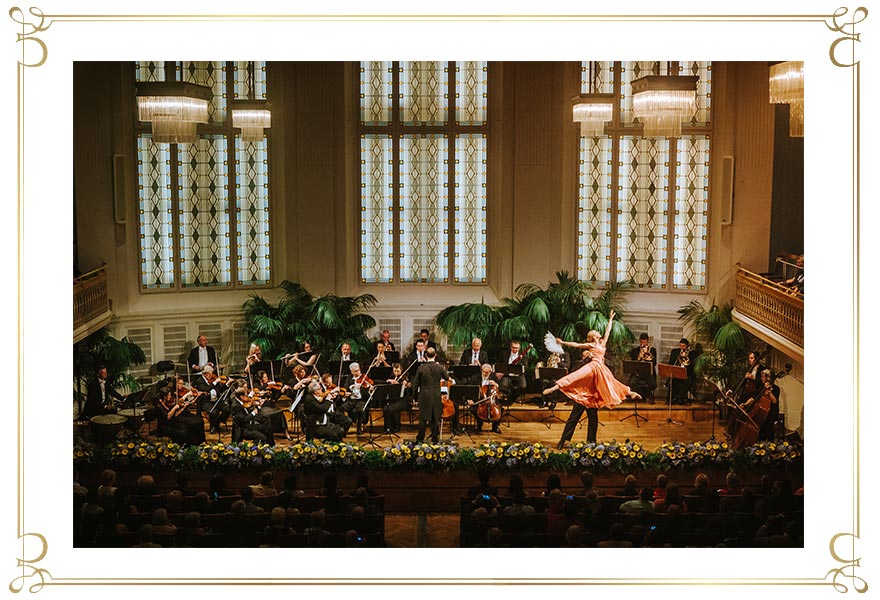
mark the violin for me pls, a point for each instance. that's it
(487, 407)
(363, 381)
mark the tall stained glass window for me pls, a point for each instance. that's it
(423, 156)
(643, 202)
(204, 206)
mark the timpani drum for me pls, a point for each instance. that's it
(134, 417)
(105, 428)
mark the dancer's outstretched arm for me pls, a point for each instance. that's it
(608, 328)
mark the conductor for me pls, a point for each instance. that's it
(427, 382)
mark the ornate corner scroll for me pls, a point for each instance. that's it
(848, 29)
(32, 577)
(31, 23)
(846, 542)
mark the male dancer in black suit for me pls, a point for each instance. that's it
(427, 383)
(201, 356)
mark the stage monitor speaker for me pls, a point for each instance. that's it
(727, 173)
(119, 189)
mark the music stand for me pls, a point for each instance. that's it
(460, 394)
(550, 374)
(379, 396)
(392, 356)
(382, 374)
(641, 369)
(339, 369)
(465, 372)
(671, 372)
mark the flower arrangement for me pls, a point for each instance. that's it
(83, 452)
(678, 455)
(775, 454)
(621, 457)
(421, 455)
(505, 454)
(614, 456)
(323, 454)
(235, 455)
(145, 453)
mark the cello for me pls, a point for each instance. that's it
(749, 426)
(487, 407)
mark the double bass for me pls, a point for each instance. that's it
(487, 407)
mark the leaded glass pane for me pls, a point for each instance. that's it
(377, 209)
(703, 70)
(252, 211)
(213, 75)
(597, 77)
(632, 70)
(424, 206)
(375, 92)
(691, 213)
(643, 212)
(203, 183)
(149, 70)
(470, 208)
(154, 213)
(424, 92)
(241, 84)
(594, 210)
(471, 92)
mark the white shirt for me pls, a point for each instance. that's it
(513, 357)
(103, 389)
(203, 357)
(475, 357)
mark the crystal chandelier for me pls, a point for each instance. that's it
(592, 111)
(173, 108)
(787, 87)
(251, 116)
(662, 102)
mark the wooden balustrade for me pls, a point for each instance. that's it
(90, 296)
(770, 304)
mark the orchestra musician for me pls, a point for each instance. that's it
(425, 336)
(323, 420)
(100, 395)
(175, 421)
(762, 410)
(201, 356)
(474, 356)
(488, 386)
(270, 391)
(254, 355)
(385, 340)
(513, 385)
(247, 422)
(359, 385)
(392, 410)
(769, 390)
(750, 383)
(379, 360)
(644, 352)
(418, 353)
(209, 384)
(683, 356)
(306, 357)
(427, 382)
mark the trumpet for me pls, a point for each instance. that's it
(684, 358)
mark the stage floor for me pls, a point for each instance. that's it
(530, 423)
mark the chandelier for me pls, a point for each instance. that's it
(662, 102)
(592, 111)
(251, 116)
(173, 108)
(787, 87)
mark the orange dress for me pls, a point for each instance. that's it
(593, 385)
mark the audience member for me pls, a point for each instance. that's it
(266, 487)
(672, 497)
(644, 503)
(247, 495)
(616, 539)
(660, 486)
(483, 475)
(553, 483)
(145, 535)
(630, 486)
(518, 506)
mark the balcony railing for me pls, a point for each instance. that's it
(90, 299)
(771, 305)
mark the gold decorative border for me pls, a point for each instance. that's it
(35, 21)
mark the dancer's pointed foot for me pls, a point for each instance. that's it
(634, 396)
(549, 391)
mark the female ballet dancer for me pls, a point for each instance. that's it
(593, 385)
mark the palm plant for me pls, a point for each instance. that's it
(325, 321)
(566, 308)
(101, 348)
(727, 345)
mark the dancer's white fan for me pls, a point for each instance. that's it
(552, 345)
